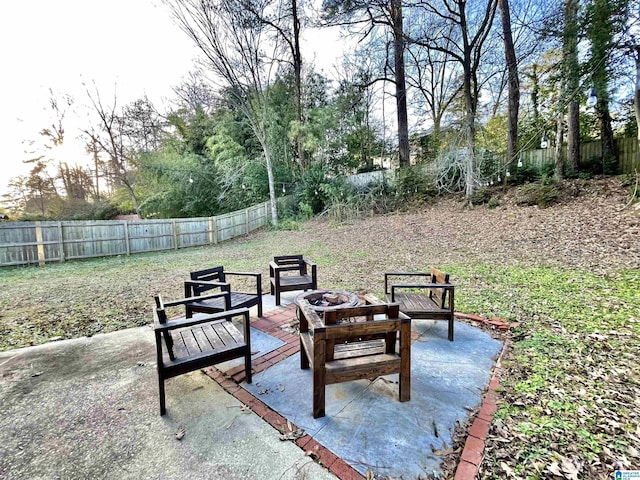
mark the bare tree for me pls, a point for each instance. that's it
(367, 16)
(514, 82)
(236, 49)
(571, 75)
(472, 28)
(194, 93)
(434, 78)
(108, 138)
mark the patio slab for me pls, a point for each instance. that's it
(367, 426)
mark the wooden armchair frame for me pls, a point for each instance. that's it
(362, 347)
(204, 281)
(186, 344)
(291, 272)
(430, 297)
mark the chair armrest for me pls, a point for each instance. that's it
(401, 274)
(311, 263)
(246, 274)
(190, 290)
(189, 322)
(282, 268)
(198, 298)
(256, 275)
(206, 282)
(313, 319)
(446, 286)
(408, 274)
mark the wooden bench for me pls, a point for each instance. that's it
(291, 272)
(430, 297)
(354, 343)
(186, 344)
(216, 278)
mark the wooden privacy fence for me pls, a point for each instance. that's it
(23, 243)
(628, 159)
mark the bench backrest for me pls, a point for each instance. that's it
(438, 295)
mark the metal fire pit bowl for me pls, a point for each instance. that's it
(326, 300)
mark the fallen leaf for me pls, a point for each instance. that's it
(555, 469)
(507, 469)
(292, 435)
(180, 432)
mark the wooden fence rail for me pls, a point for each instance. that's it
(23, 243)
(628, 157)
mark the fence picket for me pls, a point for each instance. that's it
(23, 243)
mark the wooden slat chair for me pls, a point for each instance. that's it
(354, 343)
(187, 344)
(291, 272)
(430, 297)
(205, 281)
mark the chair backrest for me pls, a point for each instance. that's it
(438, 295)
(294, 261)
(215, 274)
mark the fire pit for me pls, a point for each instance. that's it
(326, 300)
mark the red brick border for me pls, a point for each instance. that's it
(271, 323)
(473, 451)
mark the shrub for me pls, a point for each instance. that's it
(538, 194)
(493, 203)
(413, 183)
(480, 196)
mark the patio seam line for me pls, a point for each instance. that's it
(472, 453)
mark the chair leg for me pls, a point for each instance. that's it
(163, 406)
(247, 367)
(277, 296)
(405, 363)
(319, 376)
(451, 329)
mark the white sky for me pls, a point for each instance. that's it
(127, 47)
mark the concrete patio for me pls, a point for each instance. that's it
(88, 408)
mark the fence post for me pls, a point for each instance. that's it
(211, 231)
(61, 242)
(215, 230)
(125, 224)
(246, 221)
(175, 234)
(40, 246)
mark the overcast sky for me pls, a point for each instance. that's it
(128, 47)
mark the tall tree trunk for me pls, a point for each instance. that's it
(636, 97)
(601, 34)
(297, 67)
(401, 89)
(514, 83)
(535, 92)
(572, 76)
(609, 153)
(272, 189)
(470, 120)
(559, 150)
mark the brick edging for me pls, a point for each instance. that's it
(271, 323)
(473, 451)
